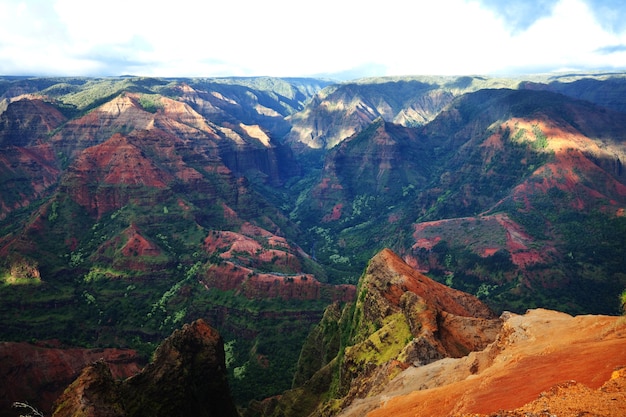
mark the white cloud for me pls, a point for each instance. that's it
(283, 38)
(448, 37)
(569, 38)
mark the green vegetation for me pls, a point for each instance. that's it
(104, 308)
(130, 275)
(383, 344)
(93, 92)
(541, 140)
(95, 292)
(264, 336)
(150, 102)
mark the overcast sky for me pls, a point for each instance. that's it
(340, 38)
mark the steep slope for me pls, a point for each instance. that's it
(401, 319)
(340, 111)
(132, 205)
(29, 167)
(186, 377)
(241, 147)
(26, 175)
(509, 173)
(120, 155)
(109, 249)
(358, 202)
(535, 355)
(259, 100)
(28, 122)
(567, 174)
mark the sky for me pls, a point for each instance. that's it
(329, 38)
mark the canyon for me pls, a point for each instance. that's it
(338, 236)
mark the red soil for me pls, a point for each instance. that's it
(253, 285)
(335, 214)
(576, 400)
(243, 253)
(536, 352)
(137, 245)
(251, 245)
(120, 162)
(517, 243)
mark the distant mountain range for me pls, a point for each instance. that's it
(129, 206)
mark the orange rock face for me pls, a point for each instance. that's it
(543, 361)
(437, 295)
(409, 320)
(574, 399)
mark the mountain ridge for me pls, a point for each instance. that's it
(488, 152)
(400, 318)
(134, 205)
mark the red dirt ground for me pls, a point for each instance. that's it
(536, 354)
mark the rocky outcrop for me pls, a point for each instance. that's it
(400, 320)
(93, 394)
(542, 363)
(404, 318)
(38, 374)
(187, 377)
